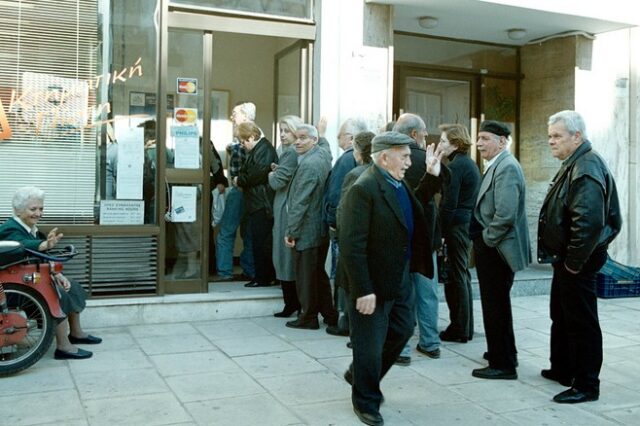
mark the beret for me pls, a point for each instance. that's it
(495, 127)
(388, 140)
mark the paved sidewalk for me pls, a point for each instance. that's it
(258, 372)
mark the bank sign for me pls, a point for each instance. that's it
(47, 101)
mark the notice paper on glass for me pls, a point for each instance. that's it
(187, 143)
(121, 212)
(130, 163)
(183, 203)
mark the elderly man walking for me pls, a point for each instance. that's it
(381, 225)
(501, 242)
(580, 216)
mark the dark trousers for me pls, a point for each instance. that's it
(312, 285)
(457, 289)
(261, 225)
(576, 338)
(377, 341)
(496, 278)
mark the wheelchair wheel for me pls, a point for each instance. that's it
(40, 329)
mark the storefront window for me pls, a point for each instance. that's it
(78, 106)
(285, 8)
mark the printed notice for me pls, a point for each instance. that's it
(130, 163)
(183, 203)
(187, 147)
(121, 212)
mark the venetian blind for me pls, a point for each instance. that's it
(47, 63)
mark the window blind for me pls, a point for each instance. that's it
(48, 50)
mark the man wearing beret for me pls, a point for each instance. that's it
(580, 216)
(380, 218)
(501, 243)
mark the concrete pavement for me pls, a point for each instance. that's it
(256, 371)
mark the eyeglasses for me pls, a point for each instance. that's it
(340, 135)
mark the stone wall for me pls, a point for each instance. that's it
(548, 86)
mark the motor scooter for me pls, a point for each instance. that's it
(29, 303)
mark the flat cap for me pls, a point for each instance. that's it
(495, 127)
(388, 140)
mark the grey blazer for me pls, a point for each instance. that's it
(304, 199)
(501, 211)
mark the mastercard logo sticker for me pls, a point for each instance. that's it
(186, 86)
(186, 115)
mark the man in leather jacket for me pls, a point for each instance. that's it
(580, 216)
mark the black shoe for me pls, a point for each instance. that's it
(81, 354)
(450, 337)
(557, 377)
(486, 356)
(403, 361)
(311, 324)
(348, 376)
(575, 396)
(494, 373)
(89, 340)
(337, 331)
(286, 312)
(435, 354)
(372, 419)
(257, 284)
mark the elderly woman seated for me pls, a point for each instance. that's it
(28, 205)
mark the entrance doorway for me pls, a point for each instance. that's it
(206, 72)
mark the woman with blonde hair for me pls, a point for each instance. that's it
(279, 180)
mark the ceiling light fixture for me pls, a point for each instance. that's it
(428, 22)
(516, 33)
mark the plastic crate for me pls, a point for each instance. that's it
(618, 280)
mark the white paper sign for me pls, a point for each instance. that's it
(187, 147)
(121, 212)
(183, 203)
(130, 163)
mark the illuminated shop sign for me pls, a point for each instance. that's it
(48, 101)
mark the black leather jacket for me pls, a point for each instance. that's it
(253, 177)
(581, 213)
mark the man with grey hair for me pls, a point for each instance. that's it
(426, 288)
(380, 233)
(304, 230)
(579, 218)
(344, 164)
(234, 207)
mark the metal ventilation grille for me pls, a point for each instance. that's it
(47, 63)
(109, 266)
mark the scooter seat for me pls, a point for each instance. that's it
(10, 253)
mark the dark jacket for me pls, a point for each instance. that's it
(580, 214)
(343, 165)
(374, 241)
(254, 177)
(11, 230)
(460, 193)
(425, 187)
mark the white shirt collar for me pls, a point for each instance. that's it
(489, 163)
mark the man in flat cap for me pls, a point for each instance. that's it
(380, 218)
(501, 243)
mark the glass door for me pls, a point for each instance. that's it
(187, 155)
(291, 83)
(438, 97)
